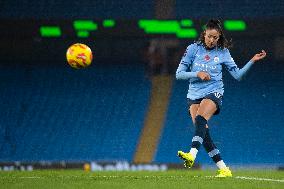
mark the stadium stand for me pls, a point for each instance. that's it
(138, 9)
(56, 113)
(229, 9)
(50, 112)
(77, 9)
(248, 129)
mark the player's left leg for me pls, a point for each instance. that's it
(214, 153)
(208, 143)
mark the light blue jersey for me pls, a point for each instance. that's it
(196, 59)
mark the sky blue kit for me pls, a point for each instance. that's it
(197, 58)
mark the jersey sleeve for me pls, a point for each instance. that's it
(186, 62)
(232, 67)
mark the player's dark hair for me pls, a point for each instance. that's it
(216, 24)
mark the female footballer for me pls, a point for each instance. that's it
(202, 66)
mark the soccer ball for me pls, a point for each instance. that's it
(79, 56)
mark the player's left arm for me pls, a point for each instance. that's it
(237, 73)
(258, 56)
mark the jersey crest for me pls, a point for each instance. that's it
(216, 59)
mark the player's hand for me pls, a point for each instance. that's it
(259, 56)
(204, 76)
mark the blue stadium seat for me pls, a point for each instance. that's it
(247, 131)
(227, 9)
(58, 113)
(71, 9)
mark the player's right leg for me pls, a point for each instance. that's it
(188, 157)
(204, 112)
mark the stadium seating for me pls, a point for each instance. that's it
(54, 113)
(77, 9)
(139, 9)
(248, 131)
(227, 9)
(57, 113)
(51, 112)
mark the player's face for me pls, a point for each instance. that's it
(211, 37)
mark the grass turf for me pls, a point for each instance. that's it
(197, 179)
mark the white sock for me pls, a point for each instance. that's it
(221, 165)
(193, 152)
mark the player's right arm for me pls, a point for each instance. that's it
(186, 62)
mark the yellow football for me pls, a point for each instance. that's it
(79, 56)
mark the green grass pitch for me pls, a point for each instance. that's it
(195, 179)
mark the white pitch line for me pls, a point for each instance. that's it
(30, 177)
(115, 176)
(259, 179)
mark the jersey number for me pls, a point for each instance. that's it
(218, 95)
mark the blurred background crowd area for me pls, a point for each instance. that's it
(127, 106)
